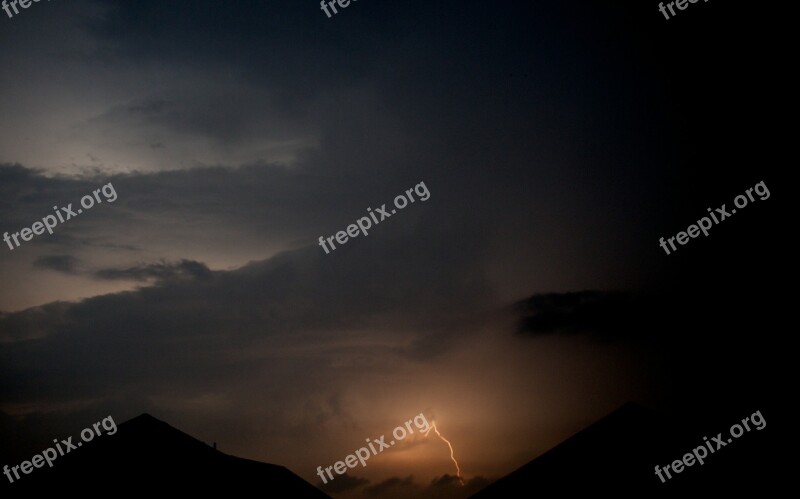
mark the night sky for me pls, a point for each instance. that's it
(558, 140)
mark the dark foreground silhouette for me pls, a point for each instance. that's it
(149, 456)
(618, 454)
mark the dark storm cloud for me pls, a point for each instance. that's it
(243, 207)
(406, 485)
(225, 114)
(60, 263)
(294, 33)
(27, 195)
(342, 483)
(449, 486)
(11, 173)
(613, 315)
(445, 481)
(372, 102)
(443, 487)
(399, 281)
(158, 271)
(604, 314)
(581, 311)
(33, 324)
(420, 67)
(255, 200)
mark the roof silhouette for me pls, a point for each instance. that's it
(147, 455)
(617, 455)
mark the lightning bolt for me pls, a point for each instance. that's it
(452, 454)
